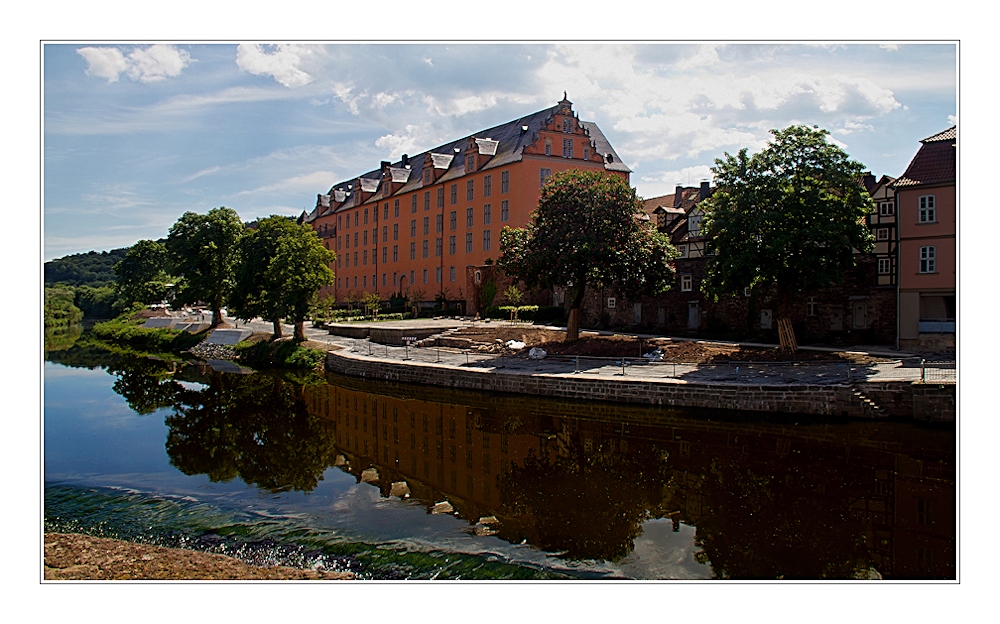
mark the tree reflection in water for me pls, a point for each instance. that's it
(580, 507)
(767, 499)
(255, 427)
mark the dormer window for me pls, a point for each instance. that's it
(427, 176)
(470, 164)
(548, 147)
(567, 124)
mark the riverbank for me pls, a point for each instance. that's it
(870, 390)
(76, 557)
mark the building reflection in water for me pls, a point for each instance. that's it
(769, 498)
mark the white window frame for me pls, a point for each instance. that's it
(927, 209)
(683, 249)
(687, 282)
(886, 208)
(884, 266)
(611, 302)
(811, 306)
(882, 234)
(928, 259)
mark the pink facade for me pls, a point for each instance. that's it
(928, 253)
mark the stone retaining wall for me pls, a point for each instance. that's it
(895, 399)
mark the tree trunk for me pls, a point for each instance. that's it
(277, 328)
(216, 316)
(300, 330)
(573, 323)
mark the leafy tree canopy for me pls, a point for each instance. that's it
(203, 250)
(587, 231)
(141, 274)
(282, 266)
(790, 215)
(94, 268)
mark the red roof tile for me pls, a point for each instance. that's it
(934, 162)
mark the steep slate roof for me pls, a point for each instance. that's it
(934, 162)
(510, 139)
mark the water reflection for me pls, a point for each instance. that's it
(768, 498)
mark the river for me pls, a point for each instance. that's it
(394, 481)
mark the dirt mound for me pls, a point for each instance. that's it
(691, 352)
(71, 556)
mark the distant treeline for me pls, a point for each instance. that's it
(94, 268)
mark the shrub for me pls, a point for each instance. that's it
(279, 354)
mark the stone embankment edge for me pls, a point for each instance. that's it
(928, 402)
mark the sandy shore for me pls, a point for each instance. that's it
(71, 556)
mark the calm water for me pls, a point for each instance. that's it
(395, 481)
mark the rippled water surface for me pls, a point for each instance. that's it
(395, 481)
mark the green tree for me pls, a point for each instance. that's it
(203, 250)
(141, 275)
(282, 266)
(60, 310)
(586, 233)
(789, 216)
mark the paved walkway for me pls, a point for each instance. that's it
(905, 368)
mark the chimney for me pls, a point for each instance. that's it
(678, 195)
(406, 160)
(703, 193)
(383, 165)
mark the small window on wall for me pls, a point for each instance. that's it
(686, 281)
(543, 175)
(478, 277)
(683, 249)
(882, 234)
(886, 209)
(928, 259)
(611, 302)
(884, 266)
(811, 306)
(746, 291)
(927, 212)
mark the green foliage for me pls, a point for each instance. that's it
(124, 329)
(371, 303)
(96, 302)
(517, 313)
(789, 215)
(60, 311)
(513, 294)
(94, 268)
(488, 293)
(203, 249)
(279, 354)
(141, 275)
(586, 232)
(282, 265)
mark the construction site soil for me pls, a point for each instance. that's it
(493, 338)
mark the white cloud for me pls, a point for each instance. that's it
(282, 64)
(150, 64)
(665, 182)
(106, 63)
(309, 182)
(953, 120)
(892, 47)
(157, 62)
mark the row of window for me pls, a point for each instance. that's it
(470, 194)
(487, 216)
(344, 260)
(345, 282)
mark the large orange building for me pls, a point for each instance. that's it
(417, 223)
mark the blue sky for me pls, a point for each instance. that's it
(137, 134)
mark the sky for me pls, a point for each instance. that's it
(136, 134)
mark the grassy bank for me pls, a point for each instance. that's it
(260, 352)
(127, 329)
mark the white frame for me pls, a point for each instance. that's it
(928, 259)
(687, 282)
(926, 209)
